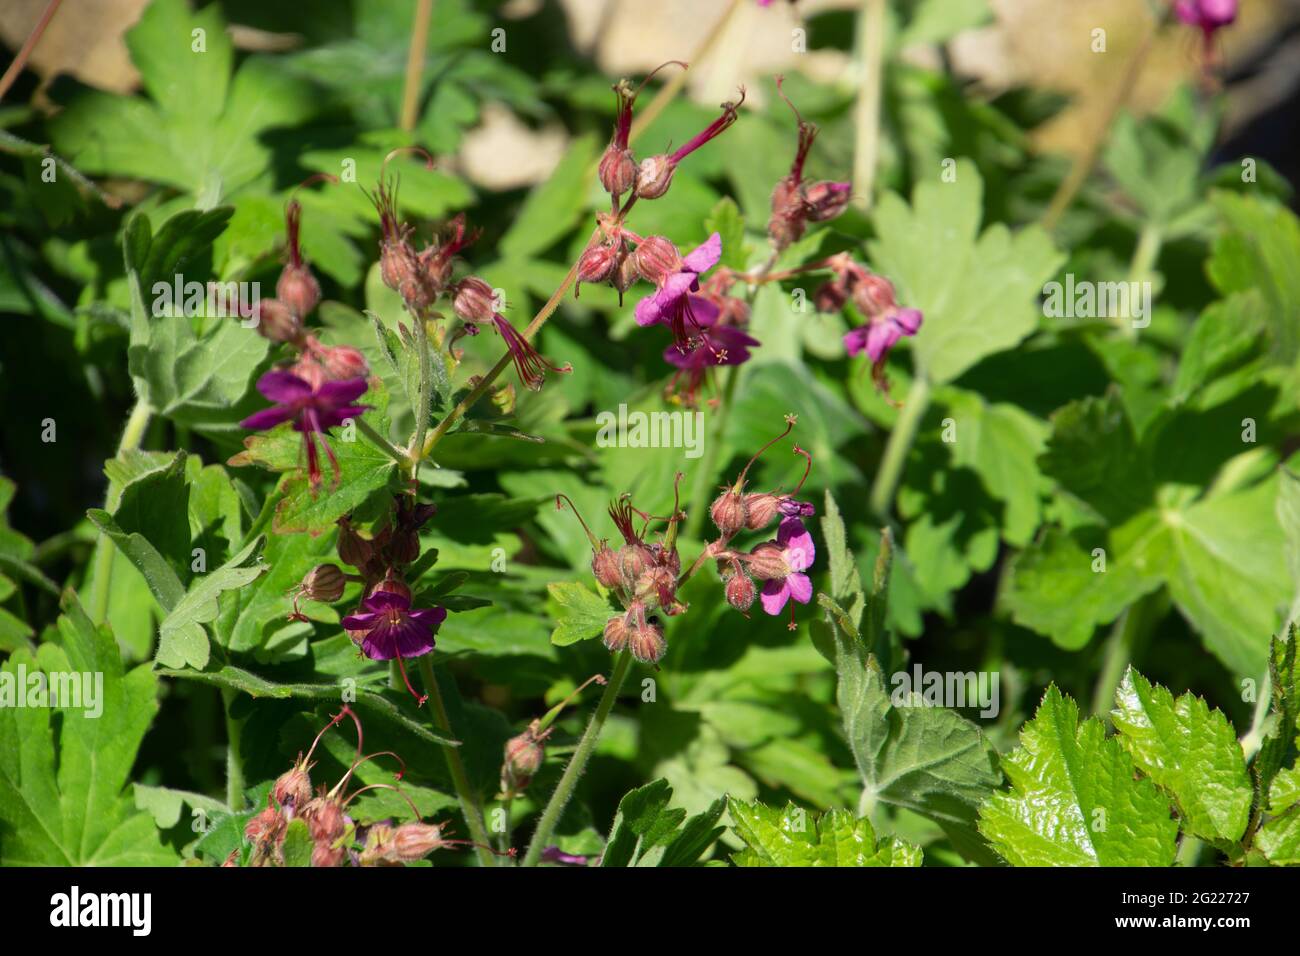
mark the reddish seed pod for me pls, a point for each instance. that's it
(414, 841)
(598, 262)
(634, 560)
(324, 583)
(277, 322)
(645, 640)
(656, 258)
(266, 826)
(298, 289)
(324, 855)
(325, 819)
(475, 301)
(728, 511)
(825, 200)
(293, 787)
(605, 567)
(625, 275)
(618, 171)
(352, 548)
(830, 297)
(654, 176)
(343, 362)
(873, 294)
(392, 585)
(767, 562)
(616, 633)
(761, 509)
(523, 758)
(740, 592)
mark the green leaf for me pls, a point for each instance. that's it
(579, 613)
(1074, 800)
(298, 844)
(158, 574)
(1190, 751)
(794, 837)
(165, 804)
(727, 221)
(1258, 251)
(985, 299)
(193, 377)
(65, 770)
(182, 641)
(1094, 455)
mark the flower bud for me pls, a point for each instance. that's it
(396, 263)
(646, 641)
(761, 509)
(654, 176)
(728, 511)
(475, 301)
(523, 758)
(656, 259)
(616, 633)
(634, 559)
(414, 841)
(277, 322)
(825, 200)
(323, 583)
(830, 297)
(298, 289)
(379, 850)
(625, 275)
(873, 294)
(767, 562)
(267, 826)
(392, 585)
(597, 263)
(343, 362)
(324, 855)
(618, 171)
(605, 566)
(740, 592)
(352, 548)
(325, 819)
(310, 371)
(293, 787)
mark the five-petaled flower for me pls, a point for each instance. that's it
(387, 629)
(796, 547)
(313, 408)
(675, 304)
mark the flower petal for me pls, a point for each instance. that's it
(773, 596)
(343, 392)
(704, 256)
(800, 586)
(797, 543)
(387, 601)
(268, 417)
(361, 621)
(283, 387)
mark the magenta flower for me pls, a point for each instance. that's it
(313, 409)
(879, 335)
(714, 345)
(389, 630)
(674, 303)
(796, 546)
(553, 854)
(1209, 15)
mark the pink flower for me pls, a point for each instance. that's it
(879, 335)
(796, 546)
(673, 302)
(313, 409)
(714, 345)
(1209, 15)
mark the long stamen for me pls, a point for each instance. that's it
(807, 133)
(620, 512)
(383, 786)
(332, 723)
(530, 365)
(554, 712)
(807, 468)
(401, 666)
(714, 129)
(789, 424)
(560, 507)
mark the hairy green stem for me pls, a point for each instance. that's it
(1122, 646)
(866, 115)
(415, 64)
(577, 763)
(900, 442)
(469, 806)
(102, 565)
(234, 760)
(414, 451)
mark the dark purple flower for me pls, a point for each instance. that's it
(674, 303)
(712, 345)
(389, 630)
(796, 546)
(313, 409)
